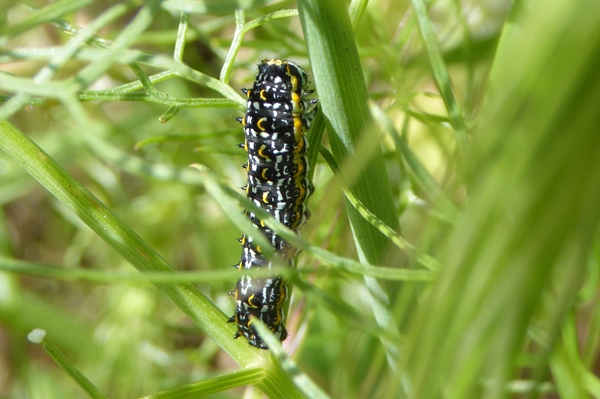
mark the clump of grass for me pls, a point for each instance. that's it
(452, 246)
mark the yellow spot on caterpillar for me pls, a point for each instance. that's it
(251, 300)
(298, 127)
(277, 320)
(261, 153)
(302, 192)
(281, 294)
(293, 78)
(259, 124)
(300, 170)
(296, 101)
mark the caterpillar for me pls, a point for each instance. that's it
(278, 115)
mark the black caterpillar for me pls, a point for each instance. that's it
(277, 117)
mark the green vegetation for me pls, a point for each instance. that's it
(452, 250)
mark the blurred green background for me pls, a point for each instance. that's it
(484, 115)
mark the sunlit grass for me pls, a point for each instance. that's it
(452, 248)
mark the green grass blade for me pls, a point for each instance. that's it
(343, 101)
(304, 384)
(440, 73)
(573, 380)
(210, 6)
(62, 273)
(45, 15)
(181, 36)
(423, 259)
(446, 206)
(39, 337)
(247, 376)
